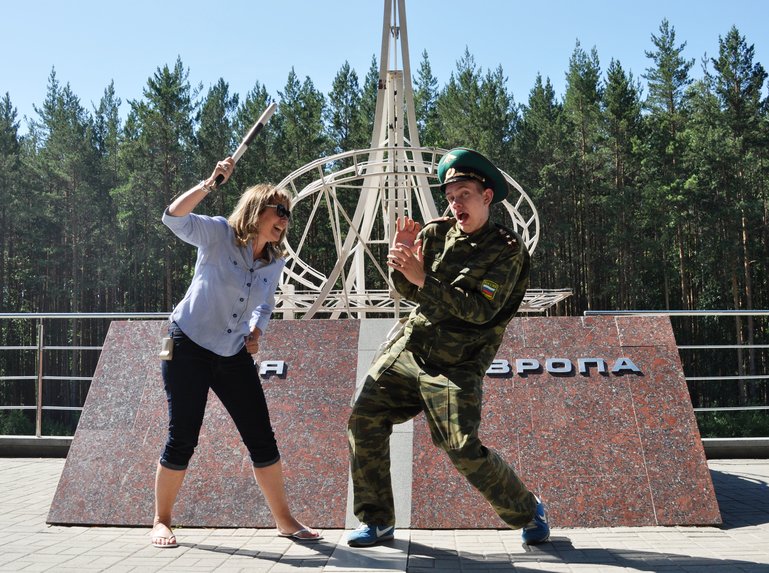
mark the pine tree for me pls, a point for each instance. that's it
(625, 236)
(16, 269)
(344, 126)
(425, 104)
(215, 139)
(497, 119)
(458, 105)
(107, 132)
(369, 93)
(66, 170)
(161, 159)
(665, 196)
(261, 163)
(10, 204)
(734, 122)
(108, 140)
(301, 136)
(537, 159)
(301, 139)
(585, 160)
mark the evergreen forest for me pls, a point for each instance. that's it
(652, 191)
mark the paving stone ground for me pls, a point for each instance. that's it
(27, 543)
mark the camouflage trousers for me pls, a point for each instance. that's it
(397, 389)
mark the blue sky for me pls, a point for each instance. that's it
(90, 43)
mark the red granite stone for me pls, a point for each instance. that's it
(108, 477)
(602, 449)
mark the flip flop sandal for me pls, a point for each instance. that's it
(303, 534)
(163, 541)
(169, 545)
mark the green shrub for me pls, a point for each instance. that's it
(16, 423)
(734, 424)
(61, 427)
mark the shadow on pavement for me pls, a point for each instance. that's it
(322, 548)
(421, 558)
(561, 551)
(742, 499)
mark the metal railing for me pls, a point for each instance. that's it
(78, 370)
(37, 341)
(718, 446)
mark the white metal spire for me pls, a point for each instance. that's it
(358, 196)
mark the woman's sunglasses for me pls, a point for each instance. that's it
(283, 211)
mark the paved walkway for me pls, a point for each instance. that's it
(742, 544)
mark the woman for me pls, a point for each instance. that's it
(215, 329)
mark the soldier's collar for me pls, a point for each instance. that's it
(458, 232)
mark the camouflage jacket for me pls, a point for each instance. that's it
(475, 284)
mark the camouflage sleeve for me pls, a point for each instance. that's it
(475, 299)
(405, 288)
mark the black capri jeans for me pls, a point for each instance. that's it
(235, 380)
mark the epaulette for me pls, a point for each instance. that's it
(439, 220)
(510, 237)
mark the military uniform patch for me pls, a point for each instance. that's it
(489, 289)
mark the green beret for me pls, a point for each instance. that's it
(461, 164)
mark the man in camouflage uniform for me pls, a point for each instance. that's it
(468, 276)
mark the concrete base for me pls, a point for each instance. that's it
(736, 448)
(34, 447)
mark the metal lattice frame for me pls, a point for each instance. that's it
(382, 184)
(362, 193)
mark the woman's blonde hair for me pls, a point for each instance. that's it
(244, 219)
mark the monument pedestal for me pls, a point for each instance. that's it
(610, 441)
